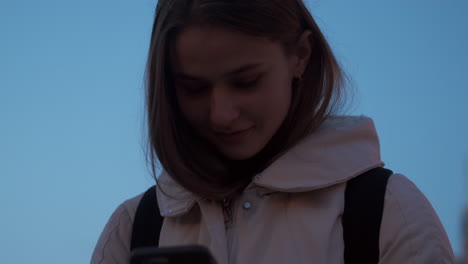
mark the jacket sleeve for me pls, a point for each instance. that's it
(411, 231)
(113, 245)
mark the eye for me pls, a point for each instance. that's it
(192, 89)
(247, 82)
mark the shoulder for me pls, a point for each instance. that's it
(411, 231)
(113, 245)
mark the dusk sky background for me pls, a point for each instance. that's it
(72, 112)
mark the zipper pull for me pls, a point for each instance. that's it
(227, 212)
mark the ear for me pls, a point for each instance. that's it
(302, 53)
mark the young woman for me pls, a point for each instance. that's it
(243, 99)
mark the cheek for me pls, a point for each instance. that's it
(277, 99)
(270, 107)
(192, 111)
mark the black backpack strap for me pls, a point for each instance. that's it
(148, 221)
(364, 202)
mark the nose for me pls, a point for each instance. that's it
(223, 109)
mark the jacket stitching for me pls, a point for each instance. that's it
(109, 235)
(364, 168)
(436, 232)
(403, 216)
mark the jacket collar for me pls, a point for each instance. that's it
(342, 148)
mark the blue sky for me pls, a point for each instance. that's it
(71, 109)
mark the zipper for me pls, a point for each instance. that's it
(228, 206)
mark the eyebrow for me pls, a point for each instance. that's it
(184, 76)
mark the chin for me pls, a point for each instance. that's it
(239, 154)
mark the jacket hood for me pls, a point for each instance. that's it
(341, 149)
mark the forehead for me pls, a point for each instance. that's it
(212, 52)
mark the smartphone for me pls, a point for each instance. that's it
(193, 254)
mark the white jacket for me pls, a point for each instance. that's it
(295, 209)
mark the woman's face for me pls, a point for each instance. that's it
(233, 89)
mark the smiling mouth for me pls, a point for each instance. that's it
(233, 137)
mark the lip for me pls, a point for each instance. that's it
(234, 137)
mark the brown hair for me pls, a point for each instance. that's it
(185, 156)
